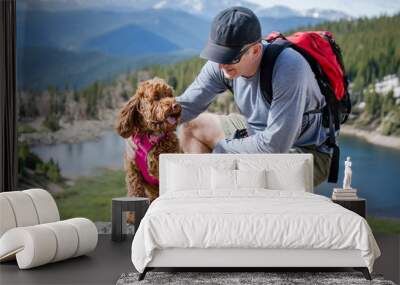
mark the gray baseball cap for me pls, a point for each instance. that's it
(231, 30)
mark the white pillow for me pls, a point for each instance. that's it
(292, 179)
(290, 173)
(193, 173)
(251, 178)
(226, 179)
(182, 177)
(223, 179)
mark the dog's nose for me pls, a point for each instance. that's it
(176, 107)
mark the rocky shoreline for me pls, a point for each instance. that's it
(76, 132)
(372, 137)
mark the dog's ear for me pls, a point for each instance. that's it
(128, 119)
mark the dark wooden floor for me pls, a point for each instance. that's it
(103, 266)
(110, 260)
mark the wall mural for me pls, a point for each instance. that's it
(79, 64)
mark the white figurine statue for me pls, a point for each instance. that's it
(347, 174)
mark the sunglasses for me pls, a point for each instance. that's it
(242, 52)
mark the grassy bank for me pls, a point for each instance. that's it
(90, 197)
(381, 225)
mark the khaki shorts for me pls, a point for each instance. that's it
(322, 161)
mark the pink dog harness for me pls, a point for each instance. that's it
(144, 144)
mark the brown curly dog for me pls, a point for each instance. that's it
(149, 119)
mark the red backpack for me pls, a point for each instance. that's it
(325, 59)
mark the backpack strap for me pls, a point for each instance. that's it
(273, 50)
(331, 142)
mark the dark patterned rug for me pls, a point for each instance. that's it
(242, 278)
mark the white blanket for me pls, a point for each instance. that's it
(255, 218)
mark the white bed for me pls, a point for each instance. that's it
(247, 210)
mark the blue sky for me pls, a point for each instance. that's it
(352, 7)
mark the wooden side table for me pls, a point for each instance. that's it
(122, 204)
(358, 206)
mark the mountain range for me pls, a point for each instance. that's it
(70, 39)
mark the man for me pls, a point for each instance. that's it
(234, 51)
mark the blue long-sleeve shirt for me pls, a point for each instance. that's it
(274, 128)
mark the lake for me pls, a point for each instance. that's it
(376, 170)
